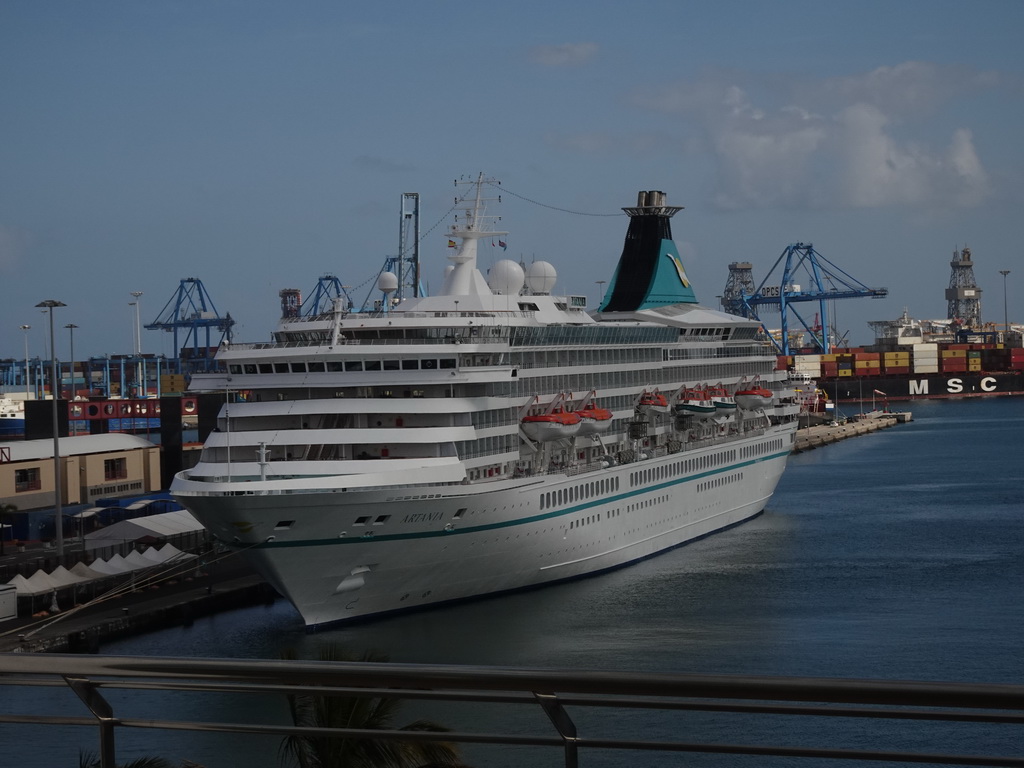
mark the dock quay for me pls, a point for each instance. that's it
(83, 629)
(826, 434)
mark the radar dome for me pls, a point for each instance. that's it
(540, 277)
(506, 278)
(387, 282)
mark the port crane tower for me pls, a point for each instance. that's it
(405, 266)
(191, 311)
(782, 290)
(327, 294)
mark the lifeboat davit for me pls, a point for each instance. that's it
(594, 420)
(545, 427)
(753, 398)
(697, 403)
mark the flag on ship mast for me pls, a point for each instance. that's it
(451, 243)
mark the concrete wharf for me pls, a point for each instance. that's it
(826, 434)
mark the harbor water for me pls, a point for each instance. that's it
(896, 555)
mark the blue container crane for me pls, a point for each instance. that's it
(826, 282)
(324, 297)
(191, 311)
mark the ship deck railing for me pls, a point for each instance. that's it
(573, 713)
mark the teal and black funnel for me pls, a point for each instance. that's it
(650, 273)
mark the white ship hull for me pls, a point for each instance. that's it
(504, 539)
(387, 460)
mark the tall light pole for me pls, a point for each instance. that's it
(26, 329)
(71, 373)
(50, 305)
(1006, 314)
(139, 384)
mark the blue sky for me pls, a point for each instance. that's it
(258, 145)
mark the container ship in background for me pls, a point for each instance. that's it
(913, 359)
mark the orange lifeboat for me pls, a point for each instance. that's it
(654, 400)
(558, 425)
(753, 398)
(594, 420)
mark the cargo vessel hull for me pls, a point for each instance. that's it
(923, 386)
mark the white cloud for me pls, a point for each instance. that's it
(912, 88)
(844, 142)
(565, 55)
(878, 171)
(764, 159)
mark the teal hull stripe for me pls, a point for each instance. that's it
(533, 519)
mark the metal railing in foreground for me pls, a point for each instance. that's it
(565, 698)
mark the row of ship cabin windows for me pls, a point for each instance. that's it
(762, 448)
(339, 366)
(664, 472)
(579, 492)
(718, 482)
(525, 385)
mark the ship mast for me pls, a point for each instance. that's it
(464, 279)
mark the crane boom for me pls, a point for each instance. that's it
(827, 282)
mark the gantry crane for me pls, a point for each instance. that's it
(329, 291)
(827, 282)
(191, 310)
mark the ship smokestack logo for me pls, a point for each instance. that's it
(678, 264)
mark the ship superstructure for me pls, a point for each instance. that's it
(494, 437)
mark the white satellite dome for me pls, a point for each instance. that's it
(387, 282)
(506, 278)
(541, 277)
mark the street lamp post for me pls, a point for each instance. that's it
(139, 384)
(26, 329)
(71, 385)
(1006, 314)
(50, 305)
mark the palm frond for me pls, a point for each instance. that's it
(358, 712)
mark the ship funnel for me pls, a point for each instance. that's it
(650, 272)
(650, 199)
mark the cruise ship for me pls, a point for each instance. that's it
(496, 436)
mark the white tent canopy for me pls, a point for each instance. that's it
(41, 583)
(64, 578)
(155, 526)
(85, 572)
(23, 585)
(168, 553)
